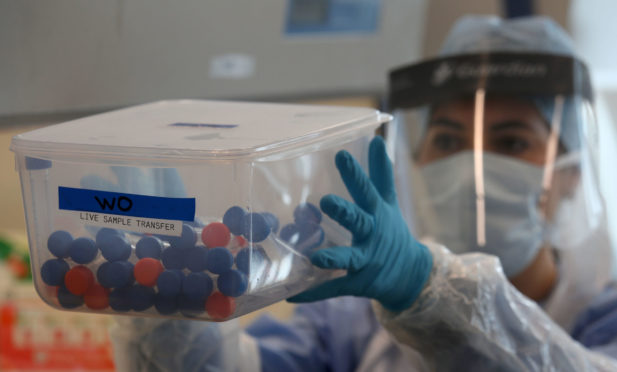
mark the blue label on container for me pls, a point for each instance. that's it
(312, 17)
(84, 200)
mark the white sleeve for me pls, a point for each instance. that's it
(469, 317)
(149, 344)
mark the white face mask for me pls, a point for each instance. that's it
(513, 228)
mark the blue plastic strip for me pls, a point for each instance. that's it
(134, 205)
(518, 8)
(36, 164)
(311, 17)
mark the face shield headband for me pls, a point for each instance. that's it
(523, 74)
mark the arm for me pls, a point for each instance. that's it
(469, 314)
(458, 311)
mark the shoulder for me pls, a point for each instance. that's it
(597, 325)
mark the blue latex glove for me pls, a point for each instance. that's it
(384, 262)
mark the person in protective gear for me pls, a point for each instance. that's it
(493, 154)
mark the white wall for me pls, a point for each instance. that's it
(66, 55)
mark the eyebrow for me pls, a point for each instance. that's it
(445, 122)
(510, 124)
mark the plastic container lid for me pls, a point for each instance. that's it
(192, 129)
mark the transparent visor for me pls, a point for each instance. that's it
(499, 173)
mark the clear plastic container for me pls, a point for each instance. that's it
(199, 209)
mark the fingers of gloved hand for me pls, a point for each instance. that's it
(358, 184)
(348, 258)
(348, 215)
(333, 288)
(95, 182)
(380, 170)
(173, 186)
(133, 180)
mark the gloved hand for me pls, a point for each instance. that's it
(384, 262)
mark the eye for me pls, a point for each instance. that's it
(448, 143)
(512, 145)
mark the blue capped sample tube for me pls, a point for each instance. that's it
(219, 260)
(149, 246)
(83, 250)
(232, 283)
(53, 271)
(59, 242)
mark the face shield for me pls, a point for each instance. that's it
(495, 153)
